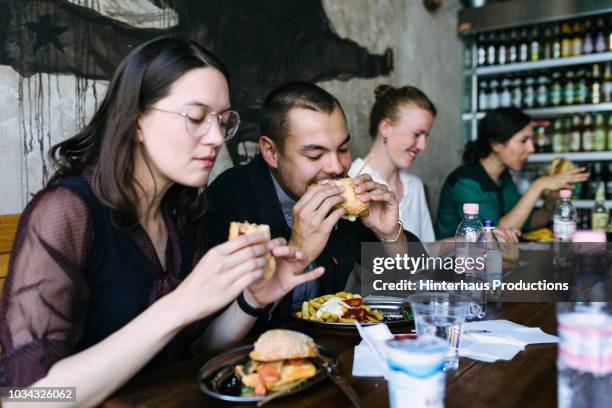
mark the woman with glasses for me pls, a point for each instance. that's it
(107, 273)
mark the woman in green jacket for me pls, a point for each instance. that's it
(505, 141)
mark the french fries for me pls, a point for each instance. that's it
(364, 314)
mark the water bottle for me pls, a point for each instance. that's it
(564, 227)
(493, 256)
(468, 245)
(584, 363)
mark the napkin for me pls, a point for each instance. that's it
(504, 340)
(369, 358)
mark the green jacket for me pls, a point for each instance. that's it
(470, 183)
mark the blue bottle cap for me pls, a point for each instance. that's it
(489, 223)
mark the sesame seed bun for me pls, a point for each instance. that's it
(279, 344)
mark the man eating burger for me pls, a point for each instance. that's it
(298, 186)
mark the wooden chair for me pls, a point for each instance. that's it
(8, 228)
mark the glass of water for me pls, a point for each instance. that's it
(442, 315)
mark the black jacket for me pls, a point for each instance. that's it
(246, 193)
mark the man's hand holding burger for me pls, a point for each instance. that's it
(383, 214)
(314, 218)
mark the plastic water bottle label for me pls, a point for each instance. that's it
(586, 342)
(408, 391)
(564, 229)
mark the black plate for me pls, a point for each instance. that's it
(392, 313)
(240, 356)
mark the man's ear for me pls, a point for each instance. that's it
(269, 151)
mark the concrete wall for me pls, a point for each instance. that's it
(427, 55)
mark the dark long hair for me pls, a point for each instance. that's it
(107, 144)
(498, 126)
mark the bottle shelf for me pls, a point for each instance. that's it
(553, 111)
(580, 204)
(542, 64)
(573, 156)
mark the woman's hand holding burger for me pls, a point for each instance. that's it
(290, 262)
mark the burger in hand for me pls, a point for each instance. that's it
(560, 165)
(353, 205)
(242, 228)
(280, 360)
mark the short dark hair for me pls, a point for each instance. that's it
(106, 145)
(498, 126)
(274, 115)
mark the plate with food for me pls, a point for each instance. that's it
(343, 309)
(280, 363)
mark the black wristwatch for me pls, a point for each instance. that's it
(250, 310)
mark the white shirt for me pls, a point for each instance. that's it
(414, 213)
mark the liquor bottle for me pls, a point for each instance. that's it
(505, 97)
(517, 93)
(513, 47)
(481, 50)
(534, 44)
(568, 89)
(599, 134)
(547, 43)
(566, 40)
(593, 182)
(556, 91)
(607, 84)
(556, 41)
(577, 38)
(542, 91)
(581, 91)
(588, 44)
(483, 95)
(587, 133)
(502, 49)
(523, 50)
(600, 36)
(547, 137)
(467, 55)
(599, 212)
(491, 49)
(578, 187)
(609, 182)
(529, 93)
(609, 133)
(567, 134)
(576, 133)
(493, 94)
(609, 36)
(539, 136)
(557, 136)
(596, 84)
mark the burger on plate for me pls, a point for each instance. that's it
(242, 228)
(280, 360)
(353, 205)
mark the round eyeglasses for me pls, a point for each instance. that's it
(198, 121)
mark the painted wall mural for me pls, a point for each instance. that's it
(263, 42)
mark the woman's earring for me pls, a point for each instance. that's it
(385, 140)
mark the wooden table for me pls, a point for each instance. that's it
(528, 380)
